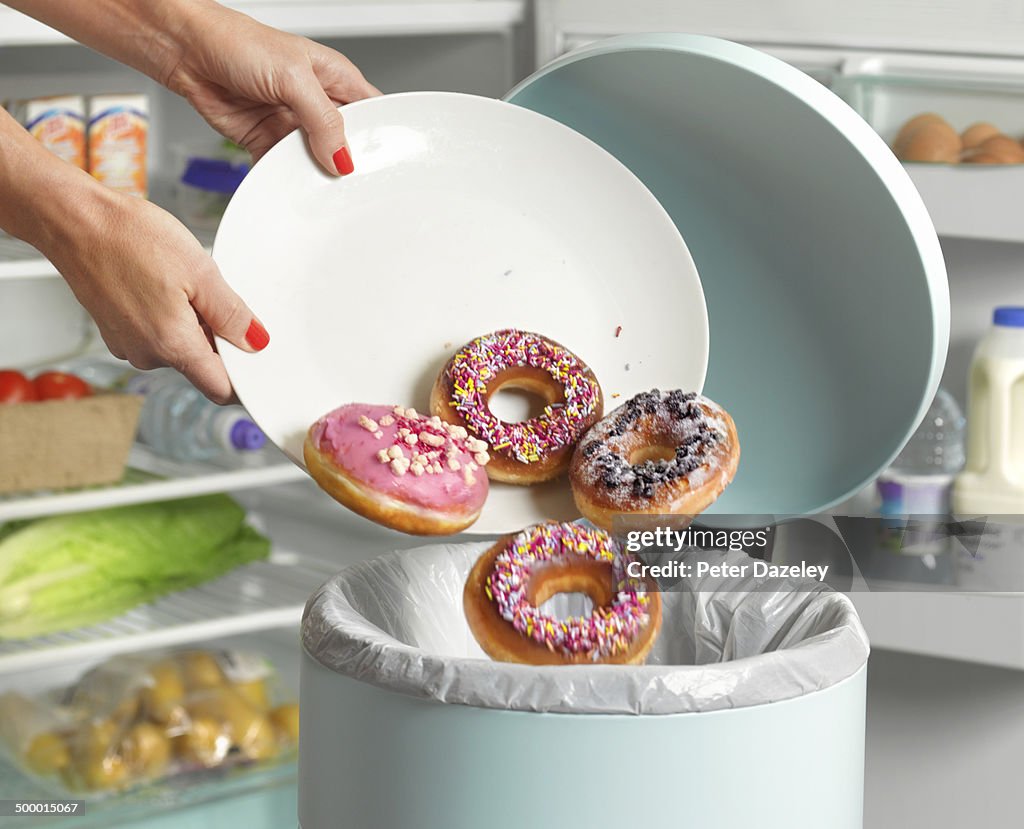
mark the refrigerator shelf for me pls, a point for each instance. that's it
(319, 19)
(257, 797)
(149, 802)
(150, 478)
(19, 260)
(975, 201)
(261, 596)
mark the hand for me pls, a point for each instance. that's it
(155, 294)
(255, 84)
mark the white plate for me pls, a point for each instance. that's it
(464, 215)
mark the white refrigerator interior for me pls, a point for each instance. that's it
(945, 721)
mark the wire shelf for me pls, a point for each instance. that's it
(257, 596)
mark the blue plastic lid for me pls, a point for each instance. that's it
(246, 435)
(1011, 316)
(214, 175)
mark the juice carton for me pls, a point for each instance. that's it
(118, 135)
(58, 123)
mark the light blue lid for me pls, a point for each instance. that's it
(825, 284)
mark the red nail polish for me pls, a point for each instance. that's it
(257, 336)
(343, 161)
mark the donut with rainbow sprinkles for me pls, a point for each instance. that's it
(510, 582)
(532, 450)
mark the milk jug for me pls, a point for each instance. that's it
(992, 482)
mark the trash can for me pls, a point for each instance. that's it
(748, 713)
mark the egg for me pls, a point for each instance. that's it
(978, 132)
(933, 142)
(912, 126)
(981, 158)
(1004, 148)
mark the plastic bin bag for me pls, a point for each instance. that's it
(139, 718)
(397, 622)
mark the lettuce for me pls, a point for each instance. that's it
(72, 570)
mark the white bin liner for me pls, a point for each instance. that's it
(397, 622)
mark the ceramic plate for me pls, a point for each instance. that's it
(464, 215)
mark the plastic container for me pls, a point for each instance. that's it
(205, 181)
(58, 123)
(140, 718)
(119, 142)
(920, 480)
(178, 422)
(772, 674)
(993, 480)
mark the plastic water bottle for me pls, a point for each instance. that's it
(936, 449)
(100, 373)
(919, 481)
(178, 422)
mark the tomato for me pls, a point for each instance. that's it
(58, 385)
(15, 387)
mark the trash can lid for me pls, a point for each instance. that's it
(825, 284)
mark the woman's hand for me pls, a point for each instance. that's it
(255, 84)
(155, 294)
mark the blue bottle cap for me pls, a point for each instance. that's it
(246, 435)
(1011, 316)
(214, 175)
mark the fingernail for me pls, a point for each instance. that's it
(343, 161)
(257, 336)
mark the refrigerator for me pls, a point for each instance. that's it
(945, 724)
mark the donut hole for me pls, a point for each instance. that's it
(514, 405)
(655, 452)
(563, 606)
(522, 393)
(571, 591)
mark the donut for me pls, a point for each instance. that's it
(397, 467)
(512, 579)
(658, 453)
(533, 450)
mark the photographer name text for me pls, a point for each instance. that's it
(700, 569)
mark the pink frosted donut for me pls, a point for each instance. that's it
(402, 469)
